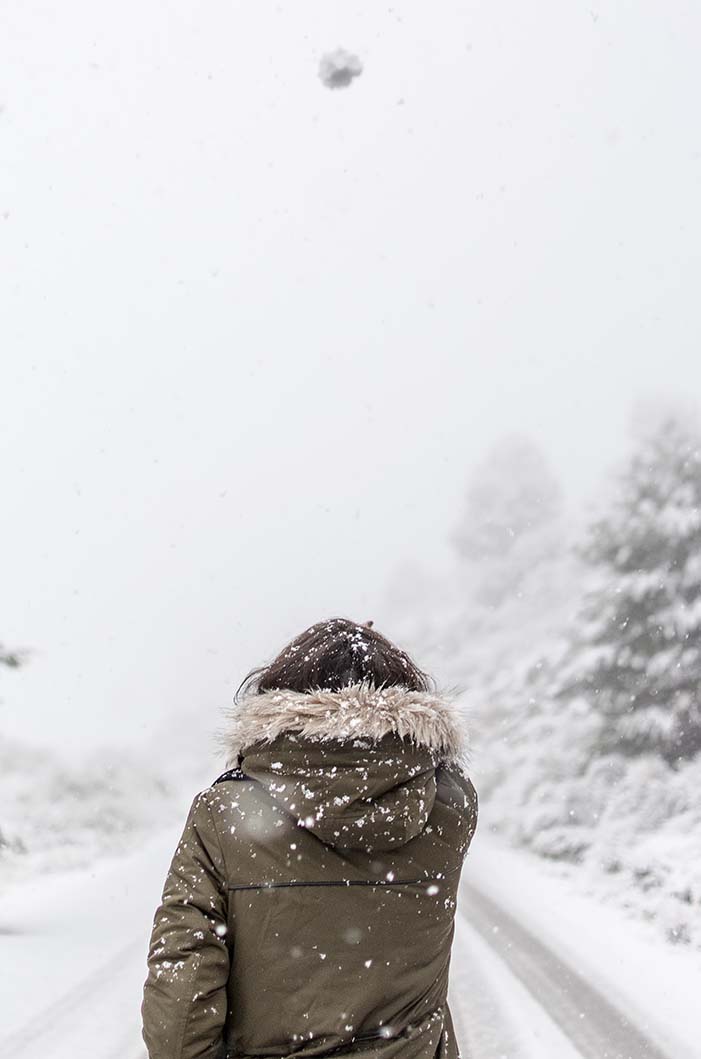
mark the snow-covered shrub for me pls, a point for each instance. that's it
(58, 815)
(568, 843)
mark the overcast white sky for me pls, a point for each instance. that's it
(255, 332)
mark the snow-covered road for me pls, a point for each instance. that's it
(73, 963)
(592, 1027)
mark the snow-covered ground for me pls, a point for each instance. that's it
(73, 956)
(655, 986)
(73, 951)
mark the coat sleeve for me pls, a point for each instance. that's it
(185, 995)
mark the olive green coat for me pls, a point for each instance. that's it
(309, 906)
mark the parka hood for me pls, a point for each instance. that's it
(356, 766)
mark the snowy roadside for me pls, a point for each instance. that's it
(62, 816)
(77, 934)
(656, 984)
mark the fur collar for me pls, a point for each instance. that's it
(359, 710)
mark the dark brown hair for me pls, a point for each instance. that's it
(332, 654)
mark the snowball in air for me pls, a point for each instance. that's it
(338, 68)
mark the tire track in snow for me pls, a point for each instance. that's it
(479, 1019)
(595, 1026)
(89, 1008)
(497, 1017)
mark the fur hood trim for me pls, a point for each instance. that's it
(428, 719)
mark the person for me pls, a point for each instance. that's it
(309, 907)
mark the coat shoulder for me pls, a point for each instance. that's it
(457, 790)
(235, 774)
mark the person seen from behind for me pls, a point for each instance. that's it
(309, 907)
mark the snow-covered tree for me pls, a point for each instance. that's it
(637, 659)
(511, 493)
(13, 659)
(516, 574)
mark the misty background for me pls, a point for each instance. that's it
(271, 351)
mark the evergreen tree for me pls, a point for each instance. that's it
(12, 659)
(511, 521)
(638, 659)
(511, 494)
